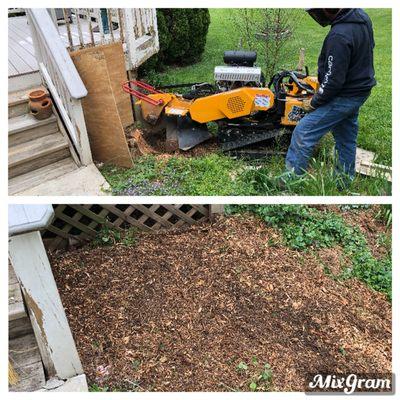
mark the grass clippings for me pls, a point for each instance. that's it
(217, 307)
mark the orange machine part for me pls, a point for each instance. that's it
(232, 104)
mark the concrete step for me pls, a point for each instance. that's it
(18, 101)
(36, 153)
(24, 128)
(32, 179)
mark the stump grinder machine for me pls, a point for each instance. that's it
(246, 110)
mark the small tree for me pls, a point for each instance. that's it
(267, 31)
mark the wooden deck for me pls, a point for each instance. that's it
(21, 54)
(62, 29)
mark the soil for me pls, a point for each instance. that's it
(156, 141)
(179, 311)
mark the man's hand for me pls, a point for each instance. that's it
(307, 107)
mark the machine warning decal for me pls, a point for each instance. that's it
(262, 101)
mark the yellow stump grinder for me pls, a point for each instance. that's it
(246, 109)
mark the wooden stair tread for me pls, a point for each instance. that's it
(19, 327)
(26, 122)
(34, 178)
(16, 308)
(23, 352)
(22, 96)
(36, 148)
(19, 323)
(12, 278)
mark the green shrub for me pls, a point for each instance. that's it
(199, 22)
(182, 34)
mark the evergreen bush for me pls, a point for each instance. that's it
(182, 34)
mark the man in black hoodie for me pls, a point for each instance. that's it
(346, 76)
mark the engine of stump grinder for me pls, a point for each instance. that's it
(245, 108)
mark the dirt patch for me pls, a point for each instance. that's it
(181, 310)
(156, 142)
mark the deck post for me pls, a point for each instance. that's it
(78, 117)
(56, 344)
(217, 208)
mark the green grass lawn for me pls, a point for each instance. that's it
(216, 174)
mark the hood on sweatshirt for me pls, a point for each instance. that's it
(350, 16)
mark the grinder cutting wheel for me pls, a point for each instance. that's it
(246, 110)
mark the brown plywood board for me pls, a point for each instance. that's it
(105, 130)
(115, 60)
(116, 69)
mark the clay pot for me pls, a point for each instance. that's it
(40, 104)
(37, 95)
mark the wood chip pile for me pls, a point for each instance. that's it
(179, 311)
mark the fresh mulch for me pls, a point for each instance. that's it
(180, 310)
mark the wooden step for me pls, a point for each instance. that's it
(24, 81)
(18, 109)
(25, 128)
(18, 101)
(19, 323)
(24, 356)
(16, 308)
(37, 153)
(19, 327)
(31, 179)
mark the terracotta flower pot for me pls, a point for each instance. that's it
(40, 104)
(37, 95)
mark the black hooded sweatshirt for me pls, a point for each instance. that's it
(346, 65)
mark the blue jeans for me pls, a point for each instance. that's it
(339, 116)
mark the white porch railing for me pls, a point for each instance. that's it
(61, 78)
(141, 34)
(136, 28)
